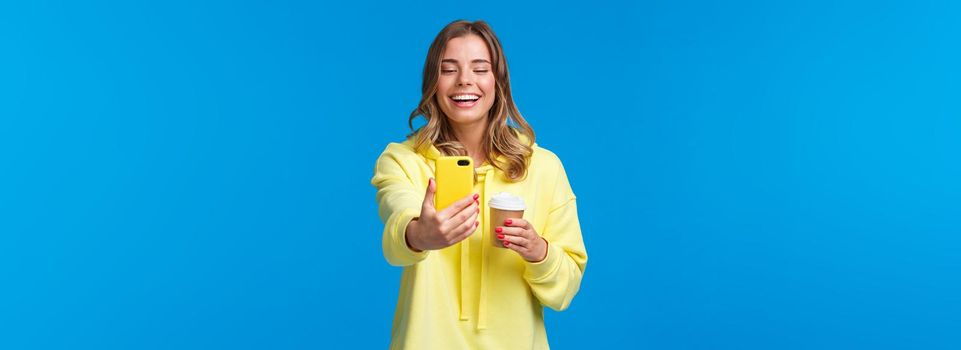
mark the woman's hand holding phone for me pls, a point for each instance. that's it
(440, 229)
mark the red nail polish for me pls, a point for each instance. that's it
(506, 243)
(476, 223)
(475, 196)
(508, 222)
(498, 230)
(500, 236)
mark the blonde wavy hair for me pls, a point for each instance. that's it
(501, 138)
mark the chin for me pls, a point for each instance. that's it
(465, 119)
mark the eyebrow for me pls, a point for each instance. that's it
(451, 60)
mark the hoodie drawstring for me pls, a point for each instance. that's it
(465, 248)
(464, 270)
(485, 248)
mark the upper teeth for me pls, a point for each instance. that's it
(465, 97)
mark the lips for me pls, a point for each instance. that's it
(465, 100)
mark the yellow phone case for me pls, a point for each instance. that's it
(455, 180)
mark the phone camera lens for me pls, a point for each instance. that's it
(463, 162)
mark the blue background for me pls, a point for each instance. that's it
(750, 175)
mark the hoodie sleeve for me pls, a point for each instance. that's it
(556, 279)
(399, 202)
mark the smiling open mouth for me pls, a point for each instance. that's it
(465, 100)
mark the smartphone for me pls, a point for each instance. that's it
(455, 180)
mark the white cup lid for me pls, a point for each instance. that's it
(506, 201)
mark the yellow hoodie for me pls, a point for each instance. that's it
(473, 295)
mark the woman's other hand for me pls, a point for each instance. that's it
(519, 235)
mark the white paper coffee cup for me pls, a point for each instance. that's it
(504, 206)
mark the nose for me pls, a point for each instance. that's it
(464, 79)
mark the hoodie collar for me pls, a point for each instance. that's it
(432, 153)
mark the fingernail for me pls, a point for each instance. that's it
(500, 236)
(507, 222)
(476, 223)
(475, 196)
(498, 230)
(506, 243)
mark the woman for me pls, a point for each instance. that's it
(458, 291)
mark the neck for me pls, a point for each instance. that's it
(472, 137)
